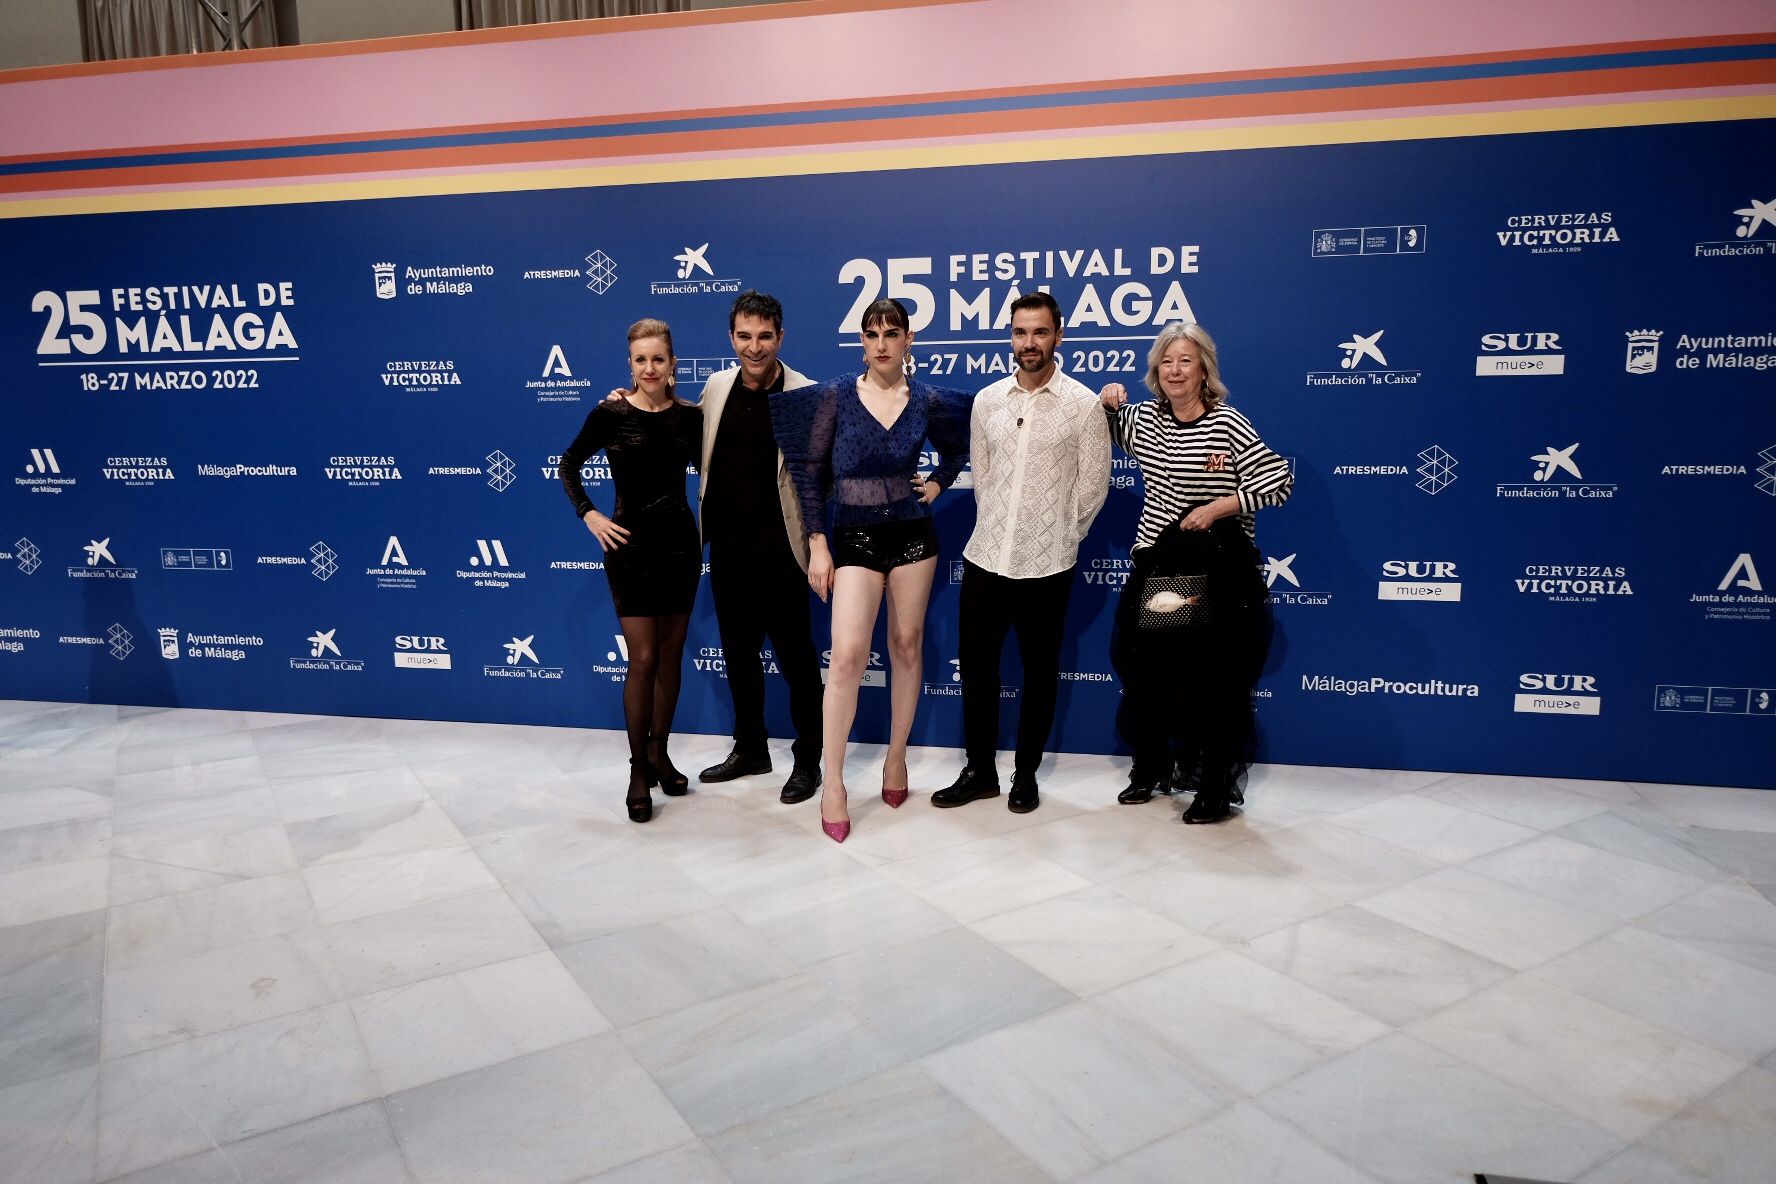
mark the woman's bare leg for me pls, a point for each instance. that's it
(857, 593)
(909, 592)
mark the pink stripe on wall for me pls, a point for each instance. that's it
(820, 57)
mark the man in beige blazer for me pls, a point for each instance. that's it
(758, 550)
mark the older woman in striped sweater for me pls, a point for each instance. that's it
(1193, 628)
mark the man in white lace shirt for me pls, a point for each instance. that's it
(1041, 457)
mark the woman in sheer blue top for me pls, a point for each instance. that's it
(856, 441)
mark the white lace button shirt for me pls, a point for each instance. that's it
(1041, 463)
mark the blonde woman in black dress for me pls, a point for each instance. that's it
(653, 555)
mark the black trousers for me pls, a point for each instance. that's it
(992, 606)
(1187, 695)
(761, 592)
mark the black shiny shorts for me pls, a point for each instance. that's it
(886, 545)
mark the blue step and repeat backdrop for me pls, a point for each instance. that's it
(303, 458)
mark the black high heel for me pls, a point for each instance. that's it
(672, 783)
(640, 811)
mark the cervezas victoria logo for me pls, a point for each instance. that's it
(1562, 233)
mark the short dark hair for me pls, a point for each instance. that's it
(751, 303)
(889, 312)
(1034, 301)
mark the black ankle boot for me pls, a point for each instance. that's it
(672, 783)
(639, 800)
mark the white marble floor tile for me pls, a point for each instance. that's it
(935, 991)
(49, 1128)
(881, 835)
(1728, 1137)
(162, 752)
(1076, 1088)
(1636, 1165)
(1693, 992)
(691, 1164)
(165, 1002)
(1488, 917)
(1109, 843)
(1318, 790)
(746, 1055)
(622, 893)
(49, 1030)
(352, 1146)
(557, 1115)
(899, 1125)
(48, 890)
(1248, 1026)
(44, 953)
(443, 1026)
(523, 800)
(1408, 1113)
(1330, 859)
(978, 879)
(861, 910)
(53, 842)
(381, 883)
(1241, 1145)
(319, 795)
(148, 822)
(380, 830)
(1583, 877)
(316, 733)
(1624, 1074)
(1223, 896)
(1641, 833)
(1536, 802)
(1377, 966)
(1092, 940)
(209, 918)
(144, 871)
(556, 848)
(1713, 806)
(39, 807)
(1733, 920)
(407, 945)
(175, 1101)
(740, 852)
(1438, 830)
(637, 974)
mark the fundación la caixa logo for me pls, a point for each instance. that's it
(1363, 364)
(1285, 586)
(100, 564)
(522, 663)
(1557, 475)
(324, 654)
(694, 275)
(1755, 233)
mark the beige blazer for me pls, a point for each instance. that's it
(715, 397)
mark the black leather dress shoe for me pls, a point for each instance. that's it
(1208, 807)
(735, 765)
(1142, 791)
(1024, 797)
(803, 781)
(969, 787)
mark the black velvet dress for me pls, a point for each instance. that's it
(655, 573)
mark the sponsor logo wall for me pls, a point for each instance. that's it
(317, 469)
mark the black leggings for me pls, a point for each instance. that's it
(650, 688)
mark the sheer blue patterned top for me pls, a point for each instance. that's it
(835, 449)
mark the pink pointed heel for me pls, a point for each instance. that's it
(838, 832)
(895, 797)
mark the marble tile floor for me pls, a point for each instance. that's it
(241, 947)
